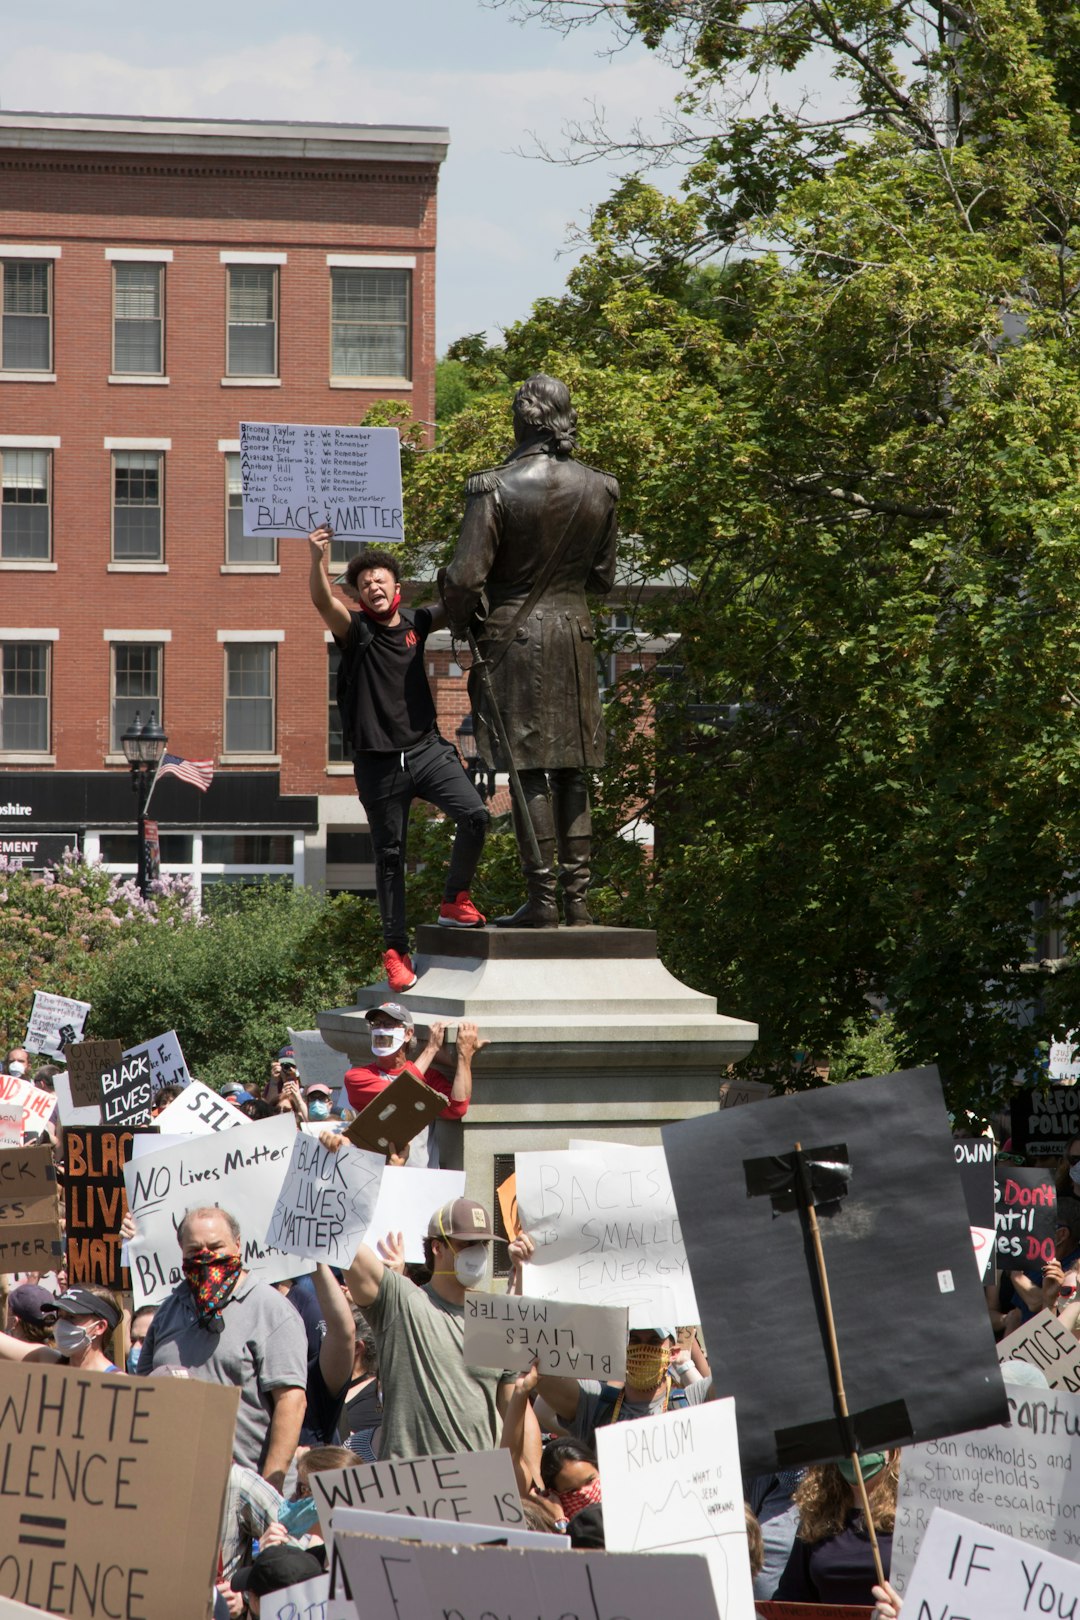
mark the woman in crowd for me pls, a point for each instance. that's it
(832, 1558)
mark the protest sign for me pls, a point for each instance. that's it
(1020, 1478)
(1025, 1217)
(85, 1493)
(307, 1600)
(316, 1062)
(897, 1249)
(568, 1341)
(95, 1156)
(86, 1063)
(11, 1125)
(405, 1108)
(606, 1230)
(986, 1574)
(1047, 1344)
(166, 1060)
(296, 478)
(408, 1198)
(735, 1093)
(474, 1486)
(672, 1484)
(126, 1092)
(403, 1580)
(20, 1611)
(983, 1241)
(29, 1210)
(506, 1193)
(55, 1022)
(1044, 1122)
(37, 1105)
(326, 1202)
(68, 1112)
(1064, 1063)
(199, 1112)
(242, 1173)
(975, 1162)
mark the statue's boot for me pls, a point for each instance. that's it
(540, 909)
(573, 828)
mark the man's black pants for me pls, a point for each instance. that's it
(387, 785)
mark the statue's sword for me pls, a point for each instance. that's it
(494, 719)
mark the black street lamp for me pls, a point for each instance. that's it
(477, 769)
(143, 747)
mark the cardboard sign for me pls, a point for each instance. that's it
(37, 1105)
(306, 1601)
(897, 1247)
(86, 1494)
(1044, 1122)
(607, 1231)
(11, 1125)
(506, 1192)
(476, 1486)
(672, 1484)
(1025, 1217)
(396, 1115)
(55, 1022)
(199, 1112)
(568, 1341)
(980, 1572)
(29, 1210)
(86, 1063)
(975, 1162)
(96, 1199)
(734, 1093)
(126, 1091)
(403, 1580)
(1023, 1475)
(242, 1172)
(1047, 1344)
(326, 1202)
(297, 478)
(408, 1198)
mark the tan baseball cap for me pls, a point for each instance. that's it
(463, 1220)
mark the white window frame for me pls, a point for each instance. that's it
(257, 262)
(405, 262)
(11, 252)
(160, 448)
(37, 638)
(42, 445)
(147, 259)
(135, 638)
(270, 639)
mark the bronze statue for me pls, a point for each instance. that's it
(539, 531)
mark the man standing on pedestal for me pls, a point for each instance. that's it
(539, 532)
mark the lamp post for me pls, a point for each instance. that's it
(477, 769)
(143, 747)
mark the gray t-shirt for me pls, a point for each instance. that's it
(262, 1346)
(583, 1427)
(432, 1403)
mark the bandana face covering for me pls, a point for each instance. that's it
(574, 1501)
(212, 1279)
(646, 1364)
(387, 613)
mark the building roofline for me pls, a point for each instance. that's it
(224, 137)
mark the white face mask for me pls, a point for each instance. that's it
(70, 1337)
(1074, 1174)
(470, 1265)
(386, 1040)
(16, 1068)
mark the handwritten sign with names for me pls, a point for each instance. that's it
(964, 1569)
(297, 478)
(29, 1210)
(567, 1341)
(241, 1171)
(55, 1022)
(199, 1111)
(326, 1202)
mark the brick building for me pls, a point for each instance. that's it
(160, 281)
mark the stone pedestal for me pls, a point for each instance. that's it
(590, 1036)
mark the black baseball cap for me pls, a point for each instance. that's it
(276, 1568)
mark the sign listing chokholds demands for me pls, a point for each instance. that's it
(1044, 1122)
(1025, 1217)
(94, 1158)
(566, 1341)
(55, 1022)
(297, 478)
(29, 1212)
(85, 1492)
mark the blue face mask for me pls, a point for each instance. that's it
(133, 1357)
(318, 1110)
(299, 1516)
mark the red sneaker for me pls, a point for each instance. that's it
(397, 965)
(460, 913)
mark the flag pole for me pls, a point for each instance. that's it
(153, 784)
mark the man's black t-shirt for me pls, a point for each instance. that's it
(394, 705)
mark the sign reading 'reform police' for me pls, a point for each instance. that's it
(295, 479)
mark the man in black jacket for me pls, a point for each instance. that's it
(389, 721)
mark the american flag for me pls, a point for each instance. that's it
(199, 772)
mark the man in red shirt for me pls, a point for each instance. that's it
(392, 1038)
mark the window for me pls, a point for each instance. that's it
(343, 551)
(137, 506)
(252, 329)
(138, 345)
(335, 742)
(136, 685)
(27, 303)
(24, 698)
(370, 323)
(249, 699)
(24, 509)
(263, 547)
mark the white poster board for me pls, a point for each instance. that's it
(567, 1341)
(37, 1105)
(55, 1021)
(199, 1112)
(297, 477)
(167, 1064)
(964, 1570)
(672, 1484)
(240, 1172)
(317, 1062)
(68, 1111)
(1022, 1478)
(474, 1486)
(307, 1600)
(326, 1202)
(1064, 1063)
(408, 1198)
(606, 1230)
(11, 1125)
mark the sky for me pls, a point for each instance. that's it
(504, 218)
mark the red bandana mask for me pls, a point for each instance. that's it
(387, 613)
(212, 1279)
(574, 1501)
